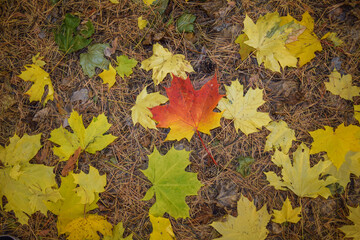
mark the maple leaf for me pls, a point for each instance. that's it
(353, 231)
(41, 79)
(287, 213)
(245, 49)
(142, 23)
(87, 227)
(108, 76)
(333, 38)
(268, 38)
(89, 185)
(336, 143)
(243, 109)
(281, 136)
(299, 177)
(171, 184)
(307, 43)
(163, 62)
(189, 110)
(140, 112)
(249, 224)
(94, 58)
(125, 65)
(342, 86)
(357, 112)
(350, 165)
(26, 186)
(117, 233)
(149, 2)
(91, 139)
(69, 207)
(114, 1)
(161, 229)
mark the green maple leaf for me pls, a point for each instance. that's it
(26, 186)
(171, 183)
(91, 139)
(94, 58)
(125, 65)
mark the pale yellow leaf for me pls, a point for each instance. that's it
(333, 38)
(342, 86)
(281, 136)
(243, 109)
(117, 233)
(108, 76)
(114, 1)
(162, 229)
(148, 2)
(287, 213)
(353, 231)
(249, 224)
(163, 62)
(140, 113)
(142, 23)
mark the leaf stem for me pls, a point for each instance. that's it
(202, 142)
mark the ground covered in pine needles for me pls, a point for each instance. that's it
(297, 96)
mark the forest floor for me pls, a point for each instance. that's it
(296, 96)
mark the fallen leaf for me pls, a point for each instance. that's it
(281, 136)
(352, 231)
(114, 1)
(140, 112)
(87, 227)
(336, 143)
(70, 164)
(125, 65)
(41, 79)
(249, 224)
(170, 183)
(37, 60)
(142, 23)
(342, 86)
(91, 139)
(94, 58)
(333, 38)
(244, 167)
(148, 2)
(41, 115)
(287, 213)
(189, 110)
(108, 76)
(163, 62)
(185, 23)
(299, 177)
(81, 95)
(245, 49)
(243, 109)
(357, 112)
(117, 233)
(162, 229)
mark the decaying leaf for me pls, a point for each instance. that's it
(189, 110)
(342, 86)
(108, 76)
(171, 183)
(249, 224)
(281, 136)
(287, 213)
(163, 62)
(87, 227)
(162, 229)
(142, 23)
(26, 186)
(140, 113)
(336, 143)
(91, 139)
(353, 231)
(94, 58)
(243, 109)
(125, 65)
(244, 167)
(41, 79)
(333, 38)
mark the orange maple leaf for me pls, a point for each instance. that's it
(189, 110)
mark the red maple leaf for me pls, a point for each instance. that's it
(189, 110)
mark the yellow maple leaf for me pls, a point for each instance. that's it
(163, 62)
(336, 143)
(34, 73)
(333, 38)
(117, 233)
(299, 177)
(353, 231)
(108, 76)
(249, 224)
(243, 109)
(140, 112)
(37, 60)
(357, 112)
(162, 229)
(307, 43)
(245, 49)
(342, 86)
(268, 38)
(148, 2)
(91, 139)
(87, 227)
(281, 136)
(287, 213)
(142, 23)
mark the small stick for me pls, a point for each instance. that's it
(202, 142)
